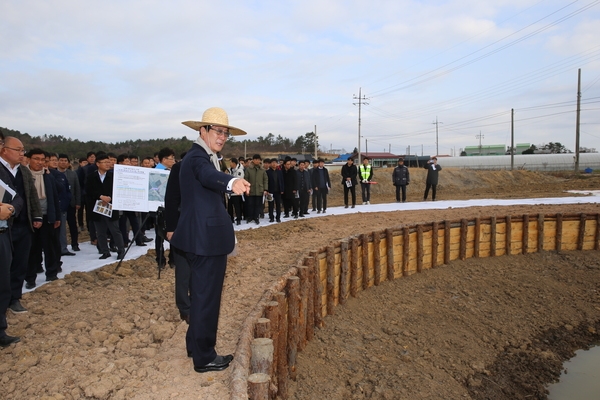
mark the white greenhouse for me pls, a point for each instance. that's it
(537, 162)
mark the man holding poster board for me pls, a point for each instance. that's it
(205, 233)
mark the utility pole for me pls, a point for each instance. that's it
(577, 123)
(512, 139)
(316, 144)
(366, 148)
(437, 149)
(390, 150)
(361, 100)
(480, 136)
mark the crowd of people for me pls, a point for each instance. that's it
(43, 197)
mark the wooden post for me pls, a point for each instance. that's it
(419, 248)
(293, 296)
(597, 235)
(261, 361)
(389, 244)
(318, 294)
(262, 328)
(493, 236)
(310, 304)
(365, 261)
(464, 226)
(508, 241)
(354, 267)
(405, 250)
(477, 239)
(581, 236)
(302, 320)
(559, 220)
(282, 356)
(525, 240)
(330, 279)
(447, 226)
(258, 387)
(540, 233)
(377, 257)
(272, 313)
(434, 244)
(344, 272)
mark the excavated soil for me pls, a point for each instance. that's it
(484, 328)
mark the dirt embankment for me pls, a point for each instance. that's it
(106, 335)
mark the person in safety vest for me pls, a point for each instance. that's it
(365, 173)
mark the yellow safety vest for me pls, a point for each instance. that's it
(365, 172)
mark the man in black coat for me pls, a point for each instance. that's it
(401, 178)
(276, 187)
(290, 188)
(349, 173)
(322, 184)
(304, 186)
(99, 186)
(47, 237)
(433, 169)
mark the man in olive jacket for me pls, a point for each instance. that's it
(259, 182)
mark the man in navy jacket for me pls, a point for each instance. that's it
(205, 233)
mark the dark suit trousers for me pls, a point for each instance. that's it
(366, 191)
(321, 199)
(5, 290)
(183, 277)
(303, 202)
(134, 222)
(314, 200)
(44, 240)
(21, 239)
(255, 206)
(72, 222)
(234, 205)
(433, 190)
(103, 227)
(403, 189)
(351, 189)
(208, 274)
(275, 205)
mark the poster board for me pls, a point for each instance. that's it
(138, 188)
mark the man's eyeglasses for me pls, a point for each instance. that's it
(225, 134)
(20, 151)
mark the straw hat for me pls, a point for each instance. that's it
(214, 116)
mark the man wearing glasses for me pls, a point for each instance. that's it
(11, 205)
(166, 158)
(29, 218)
(205, 233)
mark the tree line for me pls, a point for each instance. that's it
(235, 147)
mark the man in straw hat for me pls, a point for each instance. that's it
(205, 233)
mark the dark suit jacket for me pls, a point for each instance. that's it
(173, 198)
(94, 188)
(349, 172)
(204, 227)
(31, 202)
(271, 175)
(318, 181)
(53, 210)
(432, 174)
(17, 201)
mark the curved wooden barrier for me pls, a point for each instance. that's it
(289, 311)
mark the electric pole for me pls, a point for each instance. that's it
(512, 139)
(361, 100)
(577, 123)
(437, 149)
(480, 136)
(316, 144)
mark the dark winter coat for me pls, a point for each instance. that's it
(272, 175)
(290, 183)
(432, 174)
(95, 188)
(349, 172)
(401, 176)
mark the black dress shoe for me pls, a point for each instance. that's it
(278, 220)
(238, 223)
(8, 340)
(113, 249)
(218, 364)
(142, 244)
(104, 256)
(30, 285)
(51, 278)
(67, 253)
(121, 255)
(146, 239)
(257, 221)
(75, 247)
(271, 219)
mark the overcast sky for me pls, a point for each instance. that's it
(119, 70)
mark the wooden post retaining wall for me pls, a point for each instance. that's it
(326, 277)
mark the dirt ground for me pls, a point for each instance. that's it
(484, 328)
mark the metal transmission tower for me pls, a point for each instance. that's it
(361, 100)
(437, 148)
(480, 136)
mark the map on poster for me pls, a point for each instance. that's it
(139, 189)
